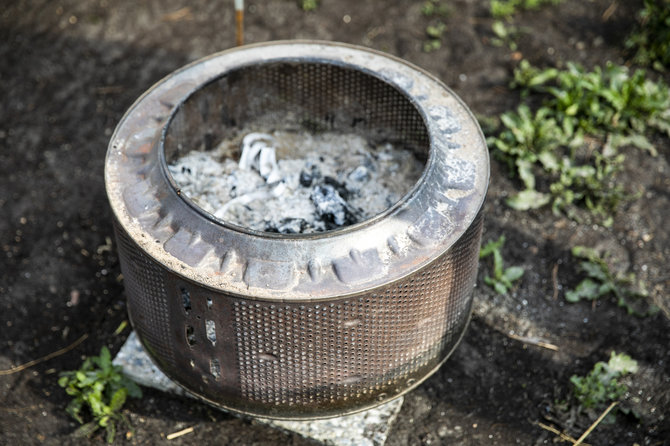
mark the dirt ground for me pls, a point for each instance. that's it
(71, 68)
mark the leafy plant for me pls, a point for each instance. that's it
(573, 138)
(601, 386)
(507, 8)
(601, 281)
(503, 278)
(601, 102)
(100, 387)
(536, 144)
(651, 39)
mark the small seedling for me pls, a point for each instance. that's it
(601, 386)
(505, 35)
(100, 387)
(309, 5)
(431, 8)
(651, 39)
(504, 9)
(434, 33)
(434, 9)
(601, 282)
(503, 278)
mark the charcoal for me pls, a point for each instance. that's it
(339, 187)
(292, 226)
(287, 226)
(330, 207)
(306, 179)
(271, 227)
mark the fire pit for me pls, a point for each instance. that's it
(288, 324)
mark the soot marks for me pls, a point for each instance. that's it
(190, 336)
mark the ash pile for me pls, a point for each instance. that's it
(294, 182)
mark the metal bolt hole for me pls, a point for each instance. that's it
(215, 368)
(267, 357)
(210, 329)
(186, 300)
(190, 336)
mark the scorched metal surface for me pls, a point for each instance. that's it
(308, 325)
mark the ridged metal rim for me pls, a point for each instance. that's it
(387, 248)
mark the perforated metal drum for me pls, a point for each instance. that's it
(306, 325)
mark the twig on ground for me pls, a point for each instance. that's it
(562, 435)
(109, 89)
(534, 341)
(554, 280)
(595, 423)
(44, 358)
(174, 435)
(610, 11)
(19, 409)
(179, 14)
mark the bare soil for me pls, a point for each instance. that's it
(70, 69)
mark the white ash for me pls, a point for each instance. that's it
(292, 182)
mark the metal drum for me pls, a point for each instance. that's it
(299, 326)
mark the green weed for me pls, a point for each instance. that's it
(601, 282)
(100, 387)
(601, 386)
(503, 278)
(535, 144)
(507, 8)
(651, 39)
(601, 102)
(572, 140)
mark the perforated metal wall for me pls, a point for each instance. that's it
(301, 96)
(291, 359)
(145, 282)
